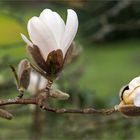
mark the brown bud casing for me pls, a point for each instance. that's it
(24, 71)
(37, 57)
(54, 63)
(129, 110)
(52, 66)
(71, 53)
(56, 93)
(68, 56)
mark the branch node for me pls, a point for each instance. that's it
(89, 110)
(61, 111)
(11, 100)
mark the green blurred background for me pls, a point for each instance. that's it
(109, 33)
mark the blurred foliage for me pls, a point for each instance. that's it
(94, 79)
(110, 20)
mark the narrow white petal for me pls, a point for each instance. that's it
(137, 99)
(134, 83)
(61, 27)
(34, 79)
(41, 36)
(70, 30)
(43, 83)
(54, 22)
(37, 83)
(26, 40)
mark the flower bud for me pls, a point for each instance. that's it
(24, 70)
(130, 98)
(56, 93)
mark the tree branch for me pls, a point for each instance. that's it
(56, 110)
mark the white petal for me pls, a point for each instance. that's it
(61, 27)
(41, 36)
(54, 22)
(34, 78)
(70, 30)
(134, 83)
(137, 99)
(43, 83)
(37, 83)
(26, 40)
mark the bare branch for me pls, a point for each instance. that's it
(17, 101)
(55, 110)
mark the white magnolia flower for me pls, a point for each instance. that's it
(49, 32)
(131, 93)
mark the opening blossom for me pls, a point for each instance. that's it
(131, 93)
(50, 39)
(38, 83)
(130, 99)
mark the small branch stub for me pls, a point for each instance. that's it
(5, 114)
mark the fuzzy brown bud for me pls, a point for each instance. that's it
(129, 110)
(56, 93)
(24, 71)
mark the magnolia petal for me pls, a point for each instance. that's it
(26, 40)
(43, 83)
(134, 83)
(61, 27)
(70, 30)
(37, 83)
(123, 91)
(49, 21)
(33, 86)
(137, 99)
(41, 36)
(54, 22)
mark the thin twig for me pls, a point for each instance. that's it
(55, 110)
(17, 101)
